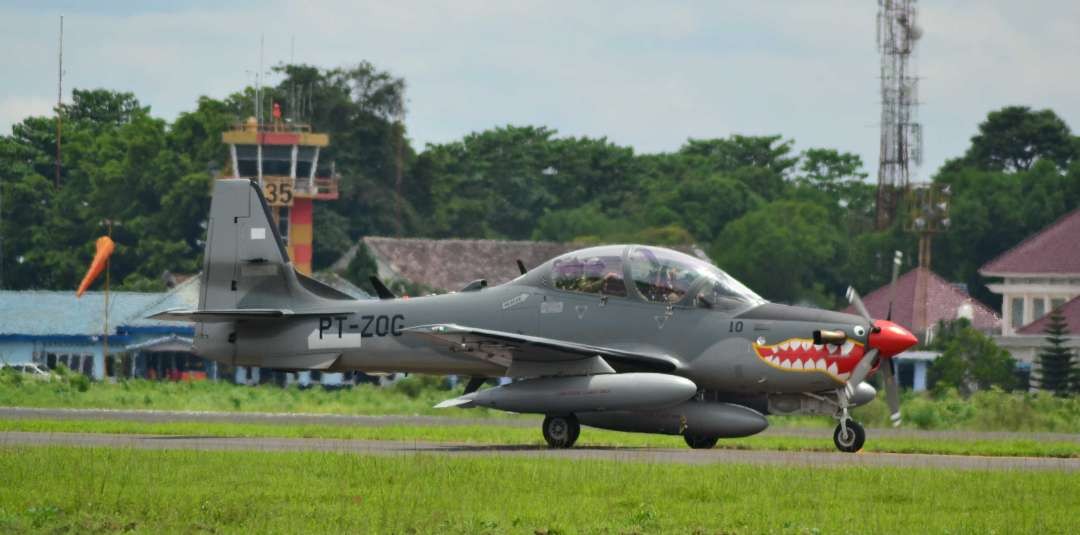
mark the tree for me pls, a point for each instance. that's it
(760, 162)
(780, 250)
(102, 108)
(970, 360)
(1055, 359)
(1015, 137)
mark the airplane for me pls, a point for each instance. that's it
(623, 337)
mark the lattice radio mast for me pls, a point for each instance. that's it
(901, 135)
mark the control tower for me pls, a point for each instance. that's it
(284, 158)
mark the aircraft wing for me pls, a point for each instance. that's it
(525, 355)
(237, 314)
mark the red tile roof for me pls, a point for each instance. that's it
(1053, 250)
(943, 300)
(451, 264)
(1070, 310)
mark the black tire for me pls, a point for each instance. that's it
(561, 431)
(854, 439)
(700, 442)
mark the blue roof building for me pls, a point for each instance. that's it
(54, 327)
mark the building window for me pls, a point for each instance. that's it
(1017, 312)
(1038, 308)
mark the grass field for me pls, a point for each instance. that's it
(985, 411)
(112, 490)
(506, 435)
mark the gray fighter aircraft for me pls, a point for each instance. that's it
(623, 337)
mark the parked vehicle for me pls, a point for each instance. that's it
(31, 369)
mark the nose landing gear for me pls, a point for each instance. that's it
(849, 436)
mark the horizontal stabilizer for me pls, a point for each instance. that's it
(237, 314)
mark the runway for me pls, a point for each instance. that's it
(155, 416)
(649, 455)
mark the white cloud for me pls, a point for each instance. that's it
(14, 109)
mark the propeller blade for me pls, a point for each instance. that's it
(862, 369)
(892, 392)
(853, 298)
(897, 259)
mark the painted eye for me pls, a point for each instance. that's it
(860, 330)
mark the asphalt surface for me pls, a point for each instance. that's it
(151, 416)
(379, 447)
(653, 455)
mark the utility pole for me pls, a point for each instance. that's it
(928, 214)
(59, 98)
(399, 162)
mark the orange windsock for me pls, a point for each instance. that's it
(105, 248)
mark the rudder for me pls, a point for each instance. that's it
(246, 264)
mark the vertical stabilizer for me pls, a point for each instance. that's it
(246, 264)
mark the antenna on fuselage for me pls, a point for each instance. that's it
(521, 267)
(380, 289)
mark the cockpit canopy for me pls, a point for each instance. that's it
(654, 274)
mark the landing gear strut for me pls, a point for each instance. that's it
(561, 431)
(848, 436)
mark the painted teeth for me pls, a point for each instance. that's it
(821, 364)
(833, 348)
(818, 346)
(806, 344)
(785, 345)
(796, 364)
(844, 376)
(786, 364)
(775, 360)
(846, 348)
(833, 369)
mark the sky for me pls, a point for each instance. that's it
(644, 74)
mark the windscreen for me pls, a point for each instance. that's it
(666, 276)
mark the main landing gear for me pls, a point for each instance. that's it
(700, 442)
(561, 431)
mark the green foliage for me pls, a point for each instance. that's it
(1015, 137)
(797, 227)
(416, 384)
(1019, 175)
(361, 268)
(970, 360)
(1056, 359)
(991, 409)
(780, 249)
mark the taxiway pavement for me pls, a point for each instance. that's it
(653, 455)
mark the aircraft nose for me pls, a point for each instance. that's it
(891, 339)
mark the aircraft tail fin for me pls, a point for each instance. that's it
(246, 265)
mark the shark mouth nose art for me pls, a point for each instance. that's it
(803, 355)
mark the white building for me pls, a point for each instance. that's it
(1038, 275)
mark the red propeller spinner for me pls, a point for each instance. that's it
(890, 339)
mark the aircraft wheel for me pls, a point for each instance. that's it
(700, 442)
(853, 440)
(561, 431)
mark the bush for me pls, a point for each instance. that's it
(415, 385)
